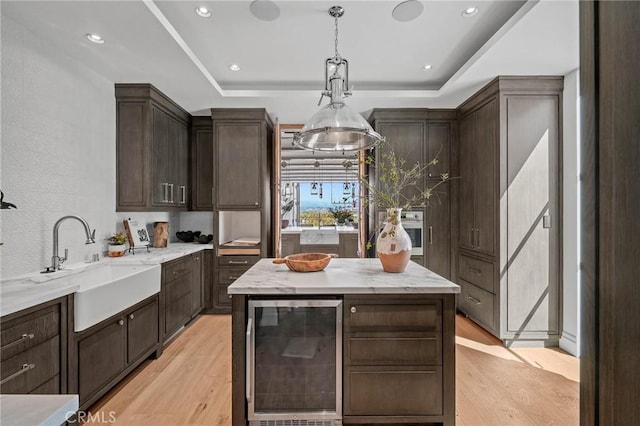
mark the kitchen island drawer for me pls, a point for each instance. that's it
(477, 272)
(27, 371)
(28, 331)
(238, 260)
(366, 314)
(477, 303)
(399, 391)
(392, 349)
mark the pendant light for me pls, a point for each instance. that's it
(336, 127)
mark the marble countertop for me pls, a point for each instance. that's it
(340, 229)
(29, 290)
(341, 276)
(41, 410)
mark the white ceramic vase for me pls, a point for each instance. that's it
(116, 250)
(393, 244)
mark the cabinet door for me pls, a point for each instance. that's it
(438, 143)
(181, 166)
(466, 185)
(207, 278)
(407, 139)
(132, 185)
(238, 148)
(348, 245)
(289, 244)
(160, 158)
(101, 357)
(196, 284)
(202, 163)
(486, 142)
(438, 232)
(177, 304)
(142, 330)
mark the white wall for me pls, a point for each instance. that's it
(58, 152)
(571, 310)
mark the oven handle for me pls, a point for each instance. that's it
(247, 350)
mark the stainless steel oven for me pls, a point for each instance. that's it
(294, 361)
(413, 223)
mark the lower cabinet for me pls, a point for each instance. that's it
(182, 292)
(392, 345)
(348, 246)
(33, 349)
(289, 244)
(228, 269)
(105, 353)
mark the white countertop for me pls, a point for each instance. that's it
(40, 410)
(29, 290)
(341, 276)
(340, 229)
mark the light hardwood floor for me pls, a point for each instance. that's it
(191, 382)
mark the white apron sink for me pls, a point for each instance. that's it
(109, 289)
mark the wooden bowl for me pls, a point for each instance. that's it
(306, 262)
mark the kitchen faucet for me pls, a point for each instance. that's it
(57, 260)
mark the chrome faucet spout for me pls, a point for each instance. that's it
(56, 260)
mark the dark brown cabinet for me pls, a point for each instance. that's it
(242, 151)
(152, 150)
(229, 269)
(348, 244)
(510, 223)
(208, 279)
(202, 165)
(102, 355)
(420, 135)
(479, 166)
(289, 243)
(33, 349)
(392, 344)
(177, 278)
(197, 284)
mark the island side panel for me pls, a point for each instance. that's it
(449, 357)
(238, 324)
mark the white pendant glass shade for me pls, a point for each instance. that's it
(336, 128)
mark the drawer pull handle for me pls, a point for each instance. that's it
(23, 338)
(231, 277)
(235, 262)
(180, 271)
(474, 300)
(23, 369)
(353, 310)
(475, 270)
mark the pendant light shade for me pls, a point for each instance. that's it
(336, 127)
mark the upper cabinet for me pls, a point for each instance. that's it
(202, 164)
(242, 143)
(152, 150)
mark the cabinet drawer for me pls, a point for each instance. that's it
(30, 330)
(391, 316)
(176, 269)
(177, 289)
(238, 260)
(477, 272)
(400, 391)
(290, 238)
(176, 314)
(222, 297)
(32, 368)
(476, 303)
(393, 350)
(227, 276)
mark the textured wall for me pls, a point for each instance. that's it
(58, 151)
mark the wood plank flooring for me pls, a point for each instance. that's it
(191, 382)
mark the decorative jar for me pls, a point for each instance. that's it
(393, 244)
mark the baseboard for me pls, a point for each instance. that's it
(569, 343)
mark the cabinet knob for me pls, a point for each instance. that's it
(131, 316)
(353, 310)
(255, 204)
(230, 297)
(120, 322)
(197, 258)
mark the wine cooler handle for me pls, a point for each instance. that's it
(247, 350)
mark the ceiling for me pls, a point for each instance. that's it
(282, 61)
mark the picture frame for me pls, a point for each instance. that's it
(137, 234)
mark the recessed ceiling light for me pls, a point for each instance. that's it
(265, 10)
(407, 10)
(426, 68)
(95, 38)
(234, 67)
(203, 11)
(470, 11)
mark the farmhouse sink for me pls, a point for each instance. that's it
(109, 289)
(319, 236)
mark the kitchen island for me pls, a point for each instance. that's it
(393, 338)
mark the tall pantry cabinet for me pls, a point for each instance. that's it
(509, 233)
